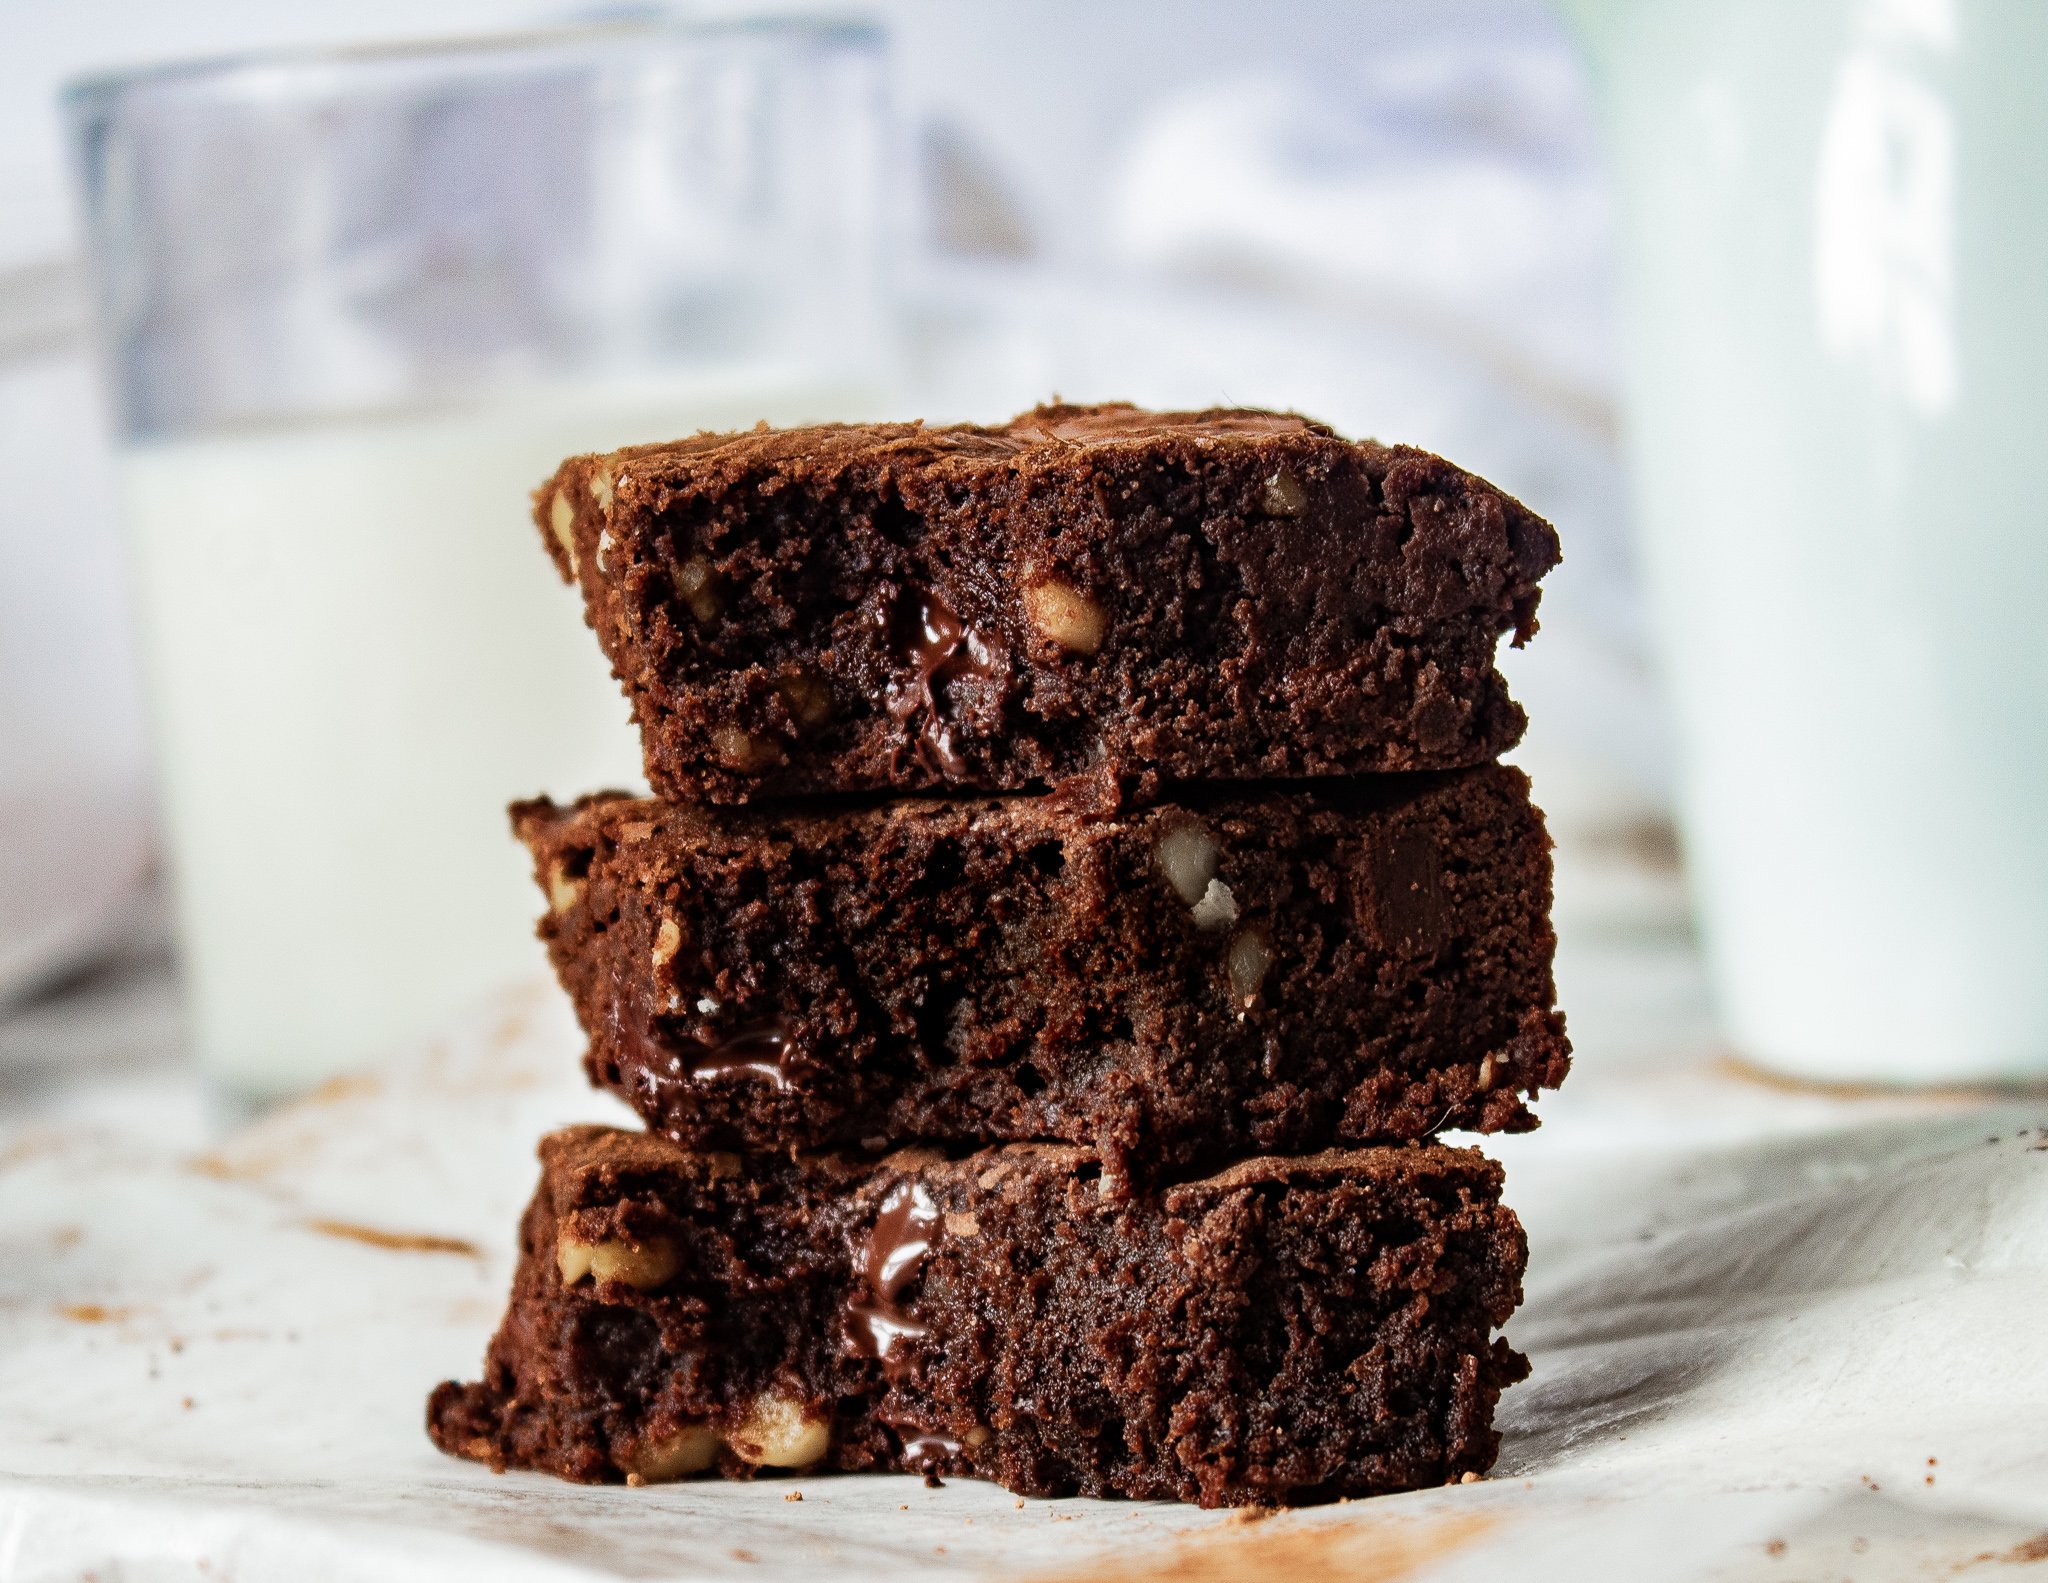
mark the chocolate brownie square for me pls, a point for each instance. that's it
(1290, 1330)
(1218, 595)
(1258, 970)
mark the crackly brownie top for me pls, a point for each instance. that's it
(1052, 434)
(1058, 441)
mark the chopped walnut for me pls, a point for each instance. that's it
(1187, 856)
(743, 751)
(697, 587)
(644, 1265)
(1247, 962)
(806, 697)
(563, 516)
(658, 1459)
(564, 890)
(778, 1433)
(1217, 909)
(1066, 616)
(1283, 495)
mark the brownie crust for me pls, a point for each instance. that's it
(1288, 1331)
(1218, 595)
(1270, 971)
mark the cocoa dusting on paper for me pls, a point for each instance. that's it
(1299, 1551)
(397, 1241)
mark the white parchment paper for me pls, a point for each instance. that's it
(1775, 1335)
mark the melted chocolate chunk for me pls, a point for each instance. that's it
(758, 1049)
(929, 1446)
(896, 1246)
(942, 648)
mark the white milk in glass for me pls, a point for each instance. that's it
(359, 654)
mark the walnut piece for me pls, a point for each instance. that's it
(1187, 855)
(1068, 617)
(1248, 959)
(778, 1433)
(601, 489)
(658, 1459)
(563, 516)
(806, 697)
(1283, 495)
(668, 940)
(743, 751)
(564, 890)
(697, 587)
(1217, 908)
(644, 1266)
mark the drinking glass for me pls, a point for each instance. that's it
(354, 306)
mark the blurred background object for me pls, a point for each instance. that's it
(354, 305)
(1390, 214)
(1836, 241)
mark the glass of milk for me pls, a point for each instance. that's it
(1835, 224)
(355, 306)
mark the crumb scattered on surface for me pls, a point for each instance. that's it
(397, 1241)
(1774, 1548)
(794, 1495)
(102, 1314)
(1366, 1548)
(336, 1089)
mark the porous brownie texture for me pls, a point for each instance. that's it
(1175, 985)
(1288, 1331)
(1216, 595)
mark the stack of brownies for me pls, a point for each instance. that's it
(1079, 890)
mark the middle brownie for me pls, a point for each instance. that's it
(1270, 971)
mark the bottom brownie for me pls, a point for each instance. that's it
(1287, 1331)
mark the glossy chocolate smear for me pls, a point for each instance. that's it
(941, 648)
(888, 1261)
(930, 1446)
(758, 1049)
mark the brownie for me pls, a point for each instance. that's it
(1290, 1330)
(1219, 595)
(1265, 970)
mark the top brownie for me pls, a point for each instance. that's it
(1219, 595)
